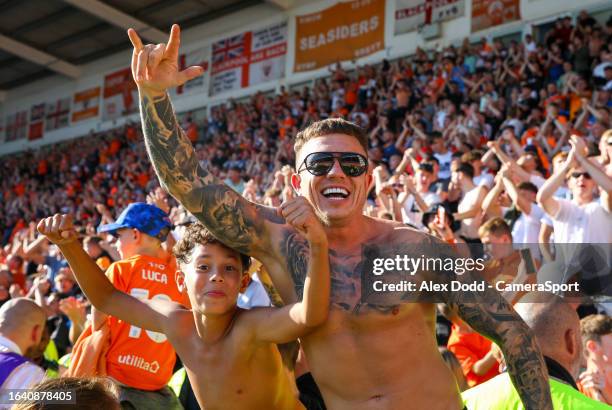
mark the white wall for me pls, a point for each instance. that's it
(453, 32)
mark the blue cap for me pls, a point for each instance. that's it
(148, 219)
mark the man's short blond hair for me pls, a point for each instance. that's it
(328, 127)
(495, 226)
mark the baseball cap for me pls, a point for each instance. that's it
(148, 219)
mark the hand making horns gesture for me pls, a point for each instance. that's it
(155, 67)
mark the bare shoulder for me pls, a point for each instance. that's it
(398, 232)
(246, 321)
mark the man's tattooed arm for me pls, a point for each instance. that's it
(489, 314)
(239, 223)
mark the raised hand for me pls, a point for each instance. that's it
(299, 213)
(159, 198)
(155, 67)
(578, 143)
(58, 229)
(73, 308)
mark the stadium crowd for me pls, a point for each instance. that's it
(494, 143)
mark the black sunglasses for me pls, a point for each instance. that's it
(320, 163)
(581, 174)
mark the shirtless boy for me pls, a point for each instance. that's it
(372, 353)
(230, 354)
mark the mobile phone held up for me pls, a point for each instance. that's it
(530, 267)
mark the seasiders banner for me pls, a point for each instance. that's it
(86, 104)
(491, 13)
(120, 95)
(412, 14)
(345, 31)
(249, 58)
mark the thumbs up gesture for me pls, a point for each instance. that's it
(155, 67)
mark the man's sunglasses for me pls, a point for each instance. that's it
(580, 174)
(320, 163)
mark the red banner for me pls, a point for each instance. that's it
(37, 121)
(120, 95)
(249, 58)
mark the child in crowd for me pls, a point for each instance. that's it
(230, 354)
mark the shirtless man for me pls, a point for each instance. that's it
(374, 351)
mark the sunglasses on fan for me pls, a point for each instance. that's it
(320, 163)
(577, 175)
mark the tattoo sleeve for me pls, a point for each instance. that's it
(239, 223)
(490, 315)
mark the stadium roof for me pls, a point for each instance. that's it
(42, 37)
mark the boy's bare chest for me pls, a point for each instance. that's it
(229, 370)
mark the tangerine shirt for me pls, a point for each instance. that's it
(137, 357)
(470, 347)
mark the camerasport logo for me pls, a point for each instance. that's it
(139, 362)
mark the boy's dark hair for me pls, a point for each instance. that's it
(466, 169)
(434, 135)
(528, 186)
(330, 126)
(197, 234)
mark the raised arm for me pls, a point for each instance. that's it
(152, 314)
(546, 193)
(594, 170)
(287, 323)
(521, 202)
(489, 204)
(239, 223)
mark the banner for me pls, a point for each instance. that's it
(86, 104)
(491, 13)
(249, 58)
(37, 121)
(58, 114)
(344, 31)
(199, 57)
(412, 14)
(16, 126)
(120, 95)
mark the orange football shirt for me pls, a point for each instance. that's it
(138, 357)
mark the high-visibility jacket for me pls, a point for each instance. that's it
(499, 394)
